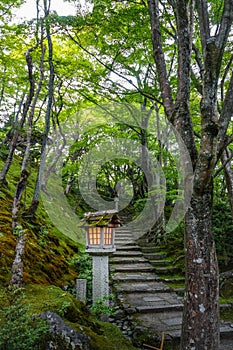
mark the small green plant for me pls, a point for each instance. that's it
(19, 331)
(19, 230)
(83, 266)
(43, 237)
(101, 306)
(64, 308)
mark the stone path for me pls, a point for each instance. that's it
(152, 305)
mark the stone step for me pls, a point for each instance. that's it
(123, 234)
(155, 256)
(159, 308)
(131, 267)
(123, 241)
(144, 302)
(131, 253)
(143, 292)
(171, 324)
(134, 276)
(127, 247)
(127, 260)
(173, 279)
(162, 322)
(179, 291)
(122, 229)
(154, 304)
(225, 306)
(142, 287)
(166, 270)
(161, 262)
(150, 249)
(123, 238)
(226, 330)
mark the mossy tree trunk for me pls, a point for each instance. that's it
(13, 143)
(18, 231)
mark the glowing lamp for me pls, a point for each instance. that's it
(100, 231)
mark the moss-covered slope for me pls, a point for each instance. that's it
(48, 253)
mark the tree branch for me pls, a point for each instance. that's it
(225, 116)
(110, 68)
(225, 162)
(202, 10)
(159, 58)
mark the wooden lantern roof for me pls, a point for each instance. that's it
(107, 218)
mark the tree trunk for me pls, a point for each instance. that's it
(35, 200)
(12, 147)
(200, 329)
(17, 266)
(228, 172)
(201, 310)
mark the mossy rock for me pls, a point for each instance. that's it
(101, 335)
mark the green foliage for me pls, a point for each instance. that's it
(3, 151)
(139, 205)
(101, 306)
(18, 330)
(64, 307)
(43, 237)
(83, 266)
(223, 227)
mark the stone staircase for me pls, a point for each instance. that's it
(152, 305)
(139, 279)
(165, 268)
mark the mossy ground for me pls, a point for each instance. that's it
(103, 335)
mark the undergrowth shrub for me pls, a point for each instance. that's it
(18, 330)
(101, 306)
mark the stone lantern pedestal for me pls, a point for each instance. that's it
(100, 277)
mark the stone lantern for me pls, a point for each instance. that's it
(100, 233)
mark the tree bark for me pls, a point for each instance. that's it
(12, 147)
(35, 200)
(228, 172)
(200, 327)
(17, 266)
(32, 110)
